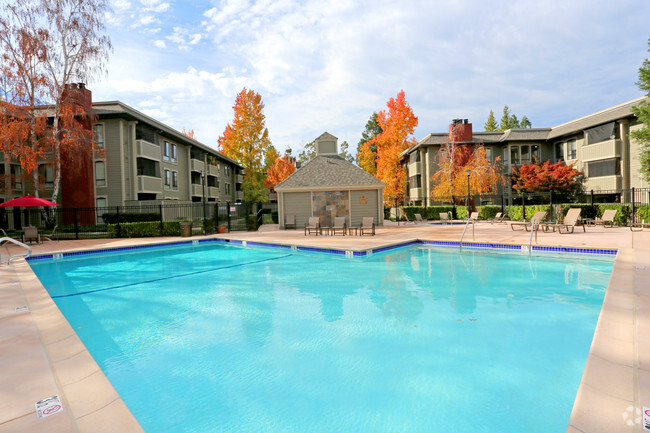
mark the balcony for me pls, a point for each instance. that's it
(415, 193)
(213, 170)
(149, 184)
(197, 190)
(239, 178)
(213, 191)
(603, 150)
(147, 150)
(197, 165)
(239, 195)
(603, 183)
(414, 169)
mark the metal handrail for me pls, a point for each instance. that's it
(463, 235)
(534, 226)
(20, 244)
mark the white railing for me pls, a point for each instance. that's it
(20, 244)
(464, 230)
(534, 226)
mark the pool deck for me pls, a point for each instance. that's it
(41, 356)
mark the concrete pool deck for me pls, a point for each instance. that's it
(41, 356)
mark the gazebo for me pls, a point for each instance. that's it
(328, 186)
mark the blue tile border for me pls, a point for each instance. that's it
(448, 244)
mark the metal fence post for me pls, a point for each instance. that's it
(119, 229)
(550, 199)
(523, 204)
(160, 209)
(228, 214)
(592, 198)
(633, 207)
(76, 224)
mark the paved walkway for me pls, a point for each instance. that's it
(41, 356)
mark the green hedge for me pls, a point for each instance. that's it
(145, 229)
(429, 212)
(111, 218)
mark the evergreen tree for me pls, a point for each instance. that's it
(642, 111)
(525, 123)
(372, 129)
(491, 124)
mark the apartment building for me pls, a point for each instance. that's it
(139, 159)
(144, 160)
(598, 144)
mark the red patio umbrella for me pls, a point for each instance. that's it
(28, 201)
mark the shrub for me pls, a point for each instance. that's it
(251, 222)
(208, 226)
(111, 218)
(146, 229)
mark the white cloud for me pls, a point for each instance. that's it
(121, 5)
(159, 44)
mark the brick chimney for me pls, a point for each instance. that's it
(460, 131)
(79, 94)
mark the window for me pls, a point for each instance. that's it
(488, 154)
(559, 151)
(571, 149)
(226, 170)
(100, 203)
(414, 157)
(147, 167)
(173, 155)
(605, 167)
(525, 154)
(99, 135)
(174, 180)
(534, 153)
(415, 181)
(166, 150)
(17, 176)
(100, 173)
(46, 175)
(514, 155)
(167, 179)
(227, 189)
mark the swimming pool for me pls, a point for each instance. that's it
(220, 338)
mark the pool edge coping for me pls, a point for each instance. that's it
(583, 404)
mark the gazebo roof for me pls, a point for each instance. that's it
(329, 171)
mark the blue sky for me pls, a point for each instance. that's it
(327, 66)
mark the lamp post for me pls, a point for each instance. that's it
(467, 171)
(203, 184)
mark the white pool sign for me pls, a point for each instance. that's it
(48, 406)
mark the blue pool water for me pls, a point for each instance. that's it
(216, 338)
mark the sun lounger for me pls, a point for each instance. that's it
(607, 220)
(313, 226)
(445, 218)
(367, 226)
(497, 218)
(537, 218)
(473, 217)
(571, 221)
(637, 227)
(289, 221)
(418, 218)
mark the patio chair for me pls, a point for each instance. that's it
(445, 218)
(51, 235)
(31, 235)
(607, 220)
(473, 217)
(419, 219)
(571, 221)
(367, 226)
(538, 217)
(637, 227)
(313, 226)
(497, 218)
(289, 221)
(339, 226)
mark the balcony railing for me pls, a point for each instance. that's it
(415, 194)
(197, 165)
(147, 150)
(149, 184)
(239, 178)
(213, 170)
(603, 150)
(414, 168)
(213, 191)
(197, 190)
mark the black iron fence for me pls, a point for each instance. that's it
(138, 220)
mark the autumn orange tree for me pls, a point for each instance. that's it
(188, 133)
(246, 140)
(397, 125)
(455, 161)
(559, 178)
(281, 169)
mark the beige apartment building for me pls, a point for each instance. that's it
(598, 144)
